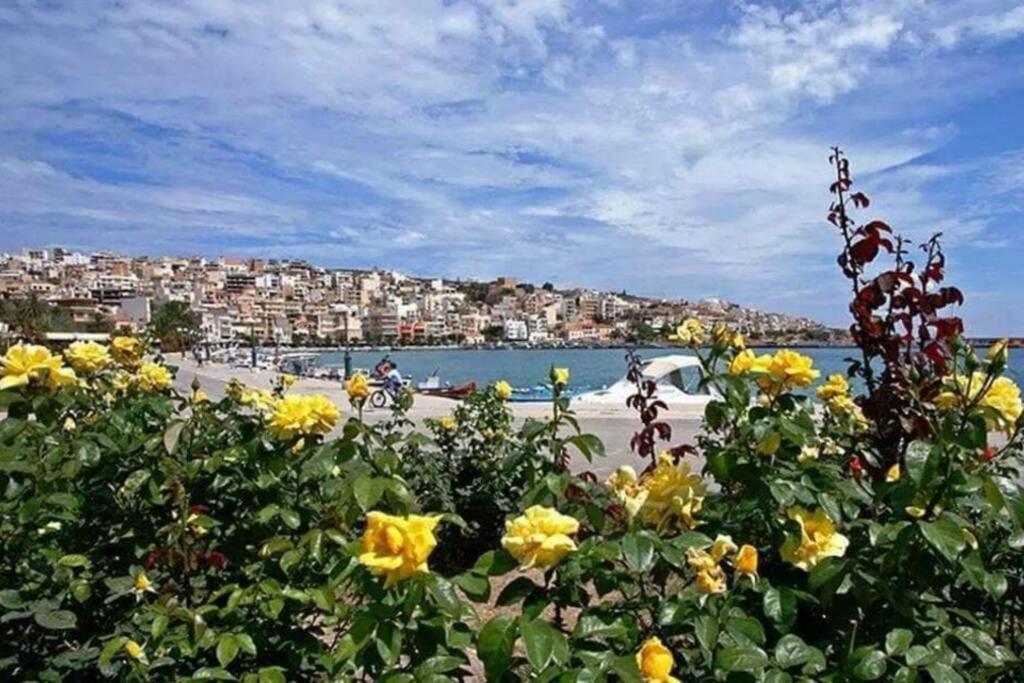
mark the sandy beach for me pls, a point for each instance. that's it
(615, 426)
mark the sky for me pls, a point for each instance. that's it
(674, 148)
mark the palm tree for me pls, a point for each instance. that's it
(175, 326)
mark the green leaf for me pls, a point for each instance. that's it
(494, 645)
(290, 518)
(828, 572)
(227, 649)
(791, 651)
(367, 491)
(597, 626)
(780, 607)
(905, 674)
(495, 563)
(272, 674)
(743, 658)
(172, 435)
(869, 664)
(588, 444)
(539, 640)
(943, 673)
(981, 644)
(944, 535)
(438, 665)
(898, 640)
(73, 561)
(516, 590)
(745, 629)
(56, 620)
(918, 655)
(159, 625)
(213, 673)
(477, 587)
(638, 551)
(246, 644)
(707, 631)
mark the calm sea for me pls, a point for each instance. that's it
(591, 368)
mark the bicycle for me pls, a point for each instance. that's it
(385, 394)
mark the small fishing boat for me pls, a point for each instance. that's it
(457, 393)
(678, 379)
(540, 393)
(432, 386)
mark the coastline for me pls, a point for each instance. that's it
(613, 424)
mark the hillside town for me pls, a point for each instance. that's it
(291, 302)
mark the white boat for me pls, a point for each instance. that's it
(677, 377)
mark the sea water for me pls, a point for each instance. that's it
(590, 368)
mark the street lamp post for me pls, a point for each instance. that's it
(348, 351)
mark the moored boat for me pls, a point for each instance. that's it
(678, 379)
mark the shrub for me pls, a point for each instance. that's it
(867, 526)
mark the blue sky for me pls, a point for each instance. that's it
(668, 147)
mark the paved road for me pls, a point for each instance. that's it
(614, 427)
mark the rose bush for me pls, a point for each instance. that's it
(866, 526)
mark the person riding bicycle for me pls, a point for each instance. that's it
(393, 380)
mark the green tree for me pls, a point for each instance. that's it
(494, 333)
(29, 318)
(175, 326)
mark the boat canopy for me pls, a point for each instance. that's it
(678, 377)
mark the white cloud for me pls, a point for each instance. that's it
(485, 136)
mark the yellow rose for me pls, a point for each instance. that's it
(690, 332)
(893, 473)
(1002, 398)
(808, 453)
(787, 370)
(700, 559)
(622, 479)
(540, 537)
(288, 381)
(398, 547)
(711, 581)
(998, 352)
(88, 356)
(199, 396)
(722, 546)
(142, 582)
(769, 444)
(260, 399)
(674, 493)
(721, 336)
(748, 361)
(25, 364)
(504, 390)
(55, 374)
(746, 560)
(301, 415)
(126, 350)
(448, 423)
(842, 405)
(655, 662)
(133, 649)
(625, 485)
(559, 376)
(738, 343)
(914, 511)
(818, 539)
(153, 377)
(836, 385)
(358, 388)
